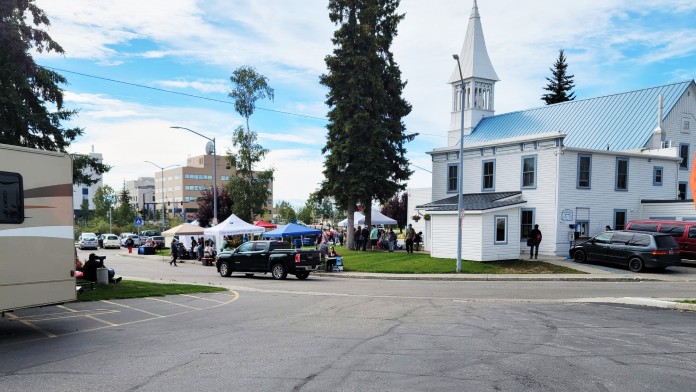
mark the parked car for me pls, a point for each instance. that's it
(683, 232)
(125, 236)
(111, 241)
(637, 250)
(88, 240)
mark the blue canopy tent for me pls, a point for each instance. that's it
(291, 230)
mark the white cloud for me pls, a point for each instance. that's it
(206, 86)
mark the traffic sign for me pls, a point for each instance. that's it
(138, 222)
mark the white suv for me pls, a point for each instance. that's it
(87, 240)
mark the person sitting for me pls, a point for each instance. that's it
(332, 252)
(89, 269)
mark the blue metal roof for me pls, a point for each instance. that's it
(623, 121)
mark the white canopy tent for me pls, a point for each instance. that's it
(377, 219)
(231, 226)
(185, 231)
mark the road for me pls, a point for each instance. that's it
(329, 334)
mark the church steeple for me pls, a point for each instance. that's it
(479, 81)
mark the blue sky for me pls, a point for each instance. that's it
(193, 46)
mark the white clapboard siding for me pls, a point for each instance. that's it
(493, 251)
(675, 132)
(602, 198)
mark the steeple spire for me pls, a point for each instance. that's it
(479, 78)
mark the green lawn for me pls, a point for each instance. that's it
(136, 289)
(687, 301)
(420, 263)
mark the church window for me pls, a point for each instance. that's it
(452, 177)
(684, 155)
(488, 178)
(529, 165)
(584, 171)
(621, 174)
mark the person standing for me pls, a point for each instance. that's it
(365, 235)
(535, 239)
(410, 234)
(194, 244)
(374, 236)
(417, 240)
(174, 252)
(392, 239)
(129, 244)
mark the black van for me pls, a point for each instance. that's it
(635, 249)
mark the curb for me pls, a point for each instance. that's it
(489, 278)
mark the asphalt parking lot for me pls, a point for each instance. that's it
(81, 317)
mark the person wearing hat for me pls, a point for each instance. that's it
(174, 252)
(410, 234)
(89, 269)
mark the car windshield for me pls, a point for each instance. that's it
(112, 237)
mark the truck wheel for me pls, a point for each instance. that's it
(302, 275)
(279, 271)
(635, 264)
(225, 269)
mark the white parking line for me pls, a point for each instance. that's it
(174, 303)
(27, 323)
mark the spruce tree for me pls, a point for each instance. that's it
(365, 148)
(560, 84)
(27, 88)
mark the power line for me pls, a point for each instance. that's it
(177, 92)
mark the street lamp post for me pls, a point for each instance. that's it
(215, 209)
(460, 197)
(162, 179)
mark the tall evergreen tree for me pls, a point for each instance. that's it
(27, 88)
(248, 189)
(124, 214)
(365, 153)
(560, 83)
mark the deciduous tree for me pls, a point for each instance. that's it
(249, 189)
(205, 206)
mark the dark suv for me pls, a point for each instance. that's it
(635, 249)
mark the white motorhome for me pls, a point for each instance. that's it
(37, 247)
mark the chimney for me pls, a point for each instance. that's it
(658, 134)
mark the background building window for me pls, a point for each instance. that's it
(684, 155)
(621, 174)
(584, 171)
(452, 177)
(501, 230)
(526, 222)
(488, 180)
(529, 172)
(657, 176)
(681, 194)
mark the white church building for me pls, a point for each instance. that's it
(590, 163)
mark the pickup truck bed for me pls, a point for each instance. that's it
(276, 257)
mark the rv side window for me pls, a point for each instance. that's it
(673, 230)
(644, 227)
(11, 198)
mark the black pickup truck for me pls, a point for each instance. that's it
(276, 257)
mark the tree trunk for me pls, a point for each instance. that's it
(350, 232)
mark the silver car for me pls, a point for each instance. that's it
(88, 240)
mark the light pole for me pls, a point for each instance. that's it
(162, 178)
(215, 209)
(460, 197)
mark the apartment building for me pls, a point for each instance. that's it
(142, 193)
(183, 184)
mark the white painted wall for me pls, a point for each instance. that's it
(679, 211)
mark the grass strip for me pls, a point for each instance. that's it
(687, 301)
(137, 289)
(401, 262)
